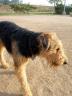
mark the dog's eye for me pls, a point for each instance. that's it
(58, 49)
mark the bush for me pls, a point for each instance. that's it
(22, 7)
(59, 8)
(68, 9)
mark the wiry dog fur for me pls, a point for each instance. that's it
(24, 44)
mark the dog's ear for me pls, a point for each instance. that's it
(43, 41)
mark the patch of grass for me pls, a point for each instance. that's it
(41, 13)
(30, 13)
(24, 8)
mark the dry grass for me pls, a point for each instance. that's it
(44, 80)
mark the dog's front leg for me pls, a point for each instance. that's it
(21, 75)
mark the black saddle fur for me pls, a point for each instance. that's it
(29, 43)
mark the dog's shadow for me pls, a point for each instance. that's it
(7, 94)
(7, 72)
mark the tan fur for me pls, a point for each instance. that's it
(52, 54)
(20, 67)
(2, 50)
(55, 55)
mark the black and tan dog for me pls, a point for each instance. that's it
(23, 44)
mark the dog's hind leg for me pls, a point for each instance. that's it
(3, 57)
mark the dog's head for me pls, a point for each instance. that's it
(54, 53)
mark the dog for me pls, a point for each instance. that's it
(23, 44)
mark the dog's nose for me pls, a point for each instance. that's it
(65, 62)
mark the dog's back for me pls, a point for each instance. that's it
(28, 42)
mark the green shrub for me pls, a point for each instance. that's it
(59, 8)
(68, 9)
(22, 7)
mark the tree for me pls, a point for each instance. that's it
(55, 2)
(59, 9)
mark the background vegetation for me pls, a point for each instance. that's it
(17, 7)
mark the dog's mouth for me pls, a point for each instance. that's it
(57, 64)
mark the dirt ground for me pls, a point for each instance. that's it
(44, 80)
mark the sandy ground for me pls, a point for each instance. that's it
(44, 80)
